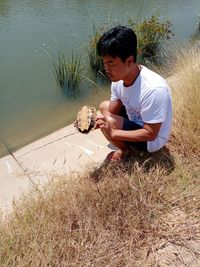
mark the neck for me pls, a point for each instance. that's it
(134, 73)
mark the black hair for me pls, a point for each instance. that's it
(119, 41)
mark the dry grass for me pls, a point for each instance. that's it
(110, 216)
(145, 212)
(186, 97)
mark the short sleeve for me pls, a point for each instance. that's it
(114, 92)
(154, 105)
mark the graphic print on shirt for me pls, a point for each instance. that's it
(134, 113)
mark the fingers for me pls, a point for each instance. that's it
(103, 126)
(100, 122)
(100, 117)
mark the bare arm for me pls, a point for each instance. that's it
(148, 133)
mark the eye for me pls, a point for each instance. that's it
(109, 63)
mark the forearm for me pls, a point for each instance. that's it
(132, 136)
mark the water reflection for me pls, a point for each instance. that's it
(4, 8)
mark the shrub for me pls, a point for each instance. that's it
(151, 34)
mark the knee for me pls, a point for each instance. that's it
(103, 107)
(112, 122)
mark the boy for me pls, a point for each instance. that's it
(144, 94)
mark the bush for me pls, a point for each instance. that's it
(151, 34)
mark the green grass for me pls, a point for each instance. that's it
(96, 62)
(68, 74)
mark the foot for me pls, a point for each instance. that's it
(116, 156)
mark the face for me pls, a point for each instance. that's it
(116, 69)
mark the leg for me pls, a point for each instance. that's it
(115, 122)
(103, 107)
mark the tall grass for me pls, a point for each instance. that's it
(68, 74)
(114, 216)
(186, 97)
(83, 223)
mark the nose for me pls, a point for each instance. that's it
(107, 68)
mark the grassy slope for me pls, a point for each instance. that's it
(142, 213)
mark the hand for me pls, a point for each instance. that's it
(101, 121)
(104, 125)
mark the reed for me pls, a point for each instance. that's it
(68, 73)
(96, 62)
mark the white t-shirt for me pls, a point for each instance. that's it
(147, 100)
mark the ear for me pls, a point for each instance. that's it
(130, 60)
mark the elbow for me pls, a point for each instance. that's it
(152, 136)
(151, 139)
(152, 130)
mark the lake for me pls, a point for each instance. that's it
(31, 104)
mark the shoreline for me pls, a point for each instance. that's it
(61, 152)
(33, 140)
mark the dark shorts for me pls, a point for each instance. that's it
(130, 125)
